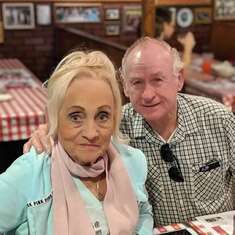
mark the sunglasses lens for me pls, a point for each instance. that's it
(175, 174)
(166, 153)
(168, 156)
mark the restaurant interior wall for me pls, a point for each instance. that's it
(36, 47)
(213, 24)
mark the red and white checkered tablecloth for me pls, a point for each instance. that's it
(22, 114)
(220, 89)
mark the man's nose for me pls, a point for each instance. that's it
(148, 93)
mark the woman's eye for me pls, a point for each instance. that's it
(75, 117)
(103, 116)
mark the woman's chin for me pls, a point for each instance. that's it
(88, 162)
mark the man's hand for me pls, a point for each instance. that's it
(40, 140)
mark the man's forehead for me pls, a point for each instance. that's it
(150, 53)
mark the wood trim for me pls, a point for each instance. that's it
(148, 18)
(75, 1)
(157, 2)
(92, 37)
(182, 2)
(81, 4)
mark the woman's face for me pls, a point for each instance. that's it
(168, 29)
(86, 119)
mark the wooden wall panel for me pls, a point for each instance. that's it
(223, 40)
(36, 47)
(182, 2)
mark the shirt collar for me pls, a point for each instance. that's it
(187, 123)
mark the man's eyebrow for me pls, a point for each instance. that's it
(135, 77)
(157, 74)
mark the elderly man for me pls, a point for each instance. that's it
(189, 141)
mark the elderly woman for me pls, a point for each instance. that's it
(90, 184)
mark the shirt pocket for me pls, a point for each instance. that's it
(207, 185)
(40, 216)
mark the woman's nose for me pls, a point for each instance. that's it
(90, 130)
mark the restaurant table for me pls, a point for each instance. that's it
(22, 113)
(218, 88)
(212, 224)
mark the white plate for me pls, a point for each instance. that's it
(5, 97)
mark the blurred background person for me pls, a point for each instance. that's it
(165, 28)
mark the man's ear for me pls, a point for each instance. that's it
(125, 88)
(180, 77)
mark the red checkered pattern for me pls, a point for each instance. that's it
(220, 89)
(22, 114)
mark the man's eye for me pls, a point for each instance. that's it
(136, 83)
(157, 80)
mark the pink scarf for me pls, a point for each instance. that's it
(69, 213)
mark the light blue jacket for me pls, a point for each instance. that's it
(26, 193)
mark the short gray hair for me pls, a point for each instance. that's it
(177, 64)
(73, 66)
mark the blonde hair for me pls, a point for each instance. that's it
(93, 64)
(177, 62)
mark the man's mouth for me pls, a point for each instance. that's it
(150, 105)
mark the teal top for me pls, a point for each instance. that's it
(94, 208)
(26, 193)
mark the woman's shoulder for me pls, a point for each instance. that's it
(134, 160)
(29, 162)
(130, 152)
(28, 170)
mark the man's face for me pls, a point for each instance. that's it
(150, 82)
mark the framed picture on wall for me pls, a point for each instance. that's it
(112, 13)
(77, 13)
(43, 14)
(112, 28)
(18, 15)
(224, 10)
(131, 18)
(202, 15)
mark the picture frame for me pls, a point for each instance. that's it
(112, 13)
(77, 13)
(18, 15)
(112, 28)
(43, 14)
(132, 15)
(202, 15)
(224, 10)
